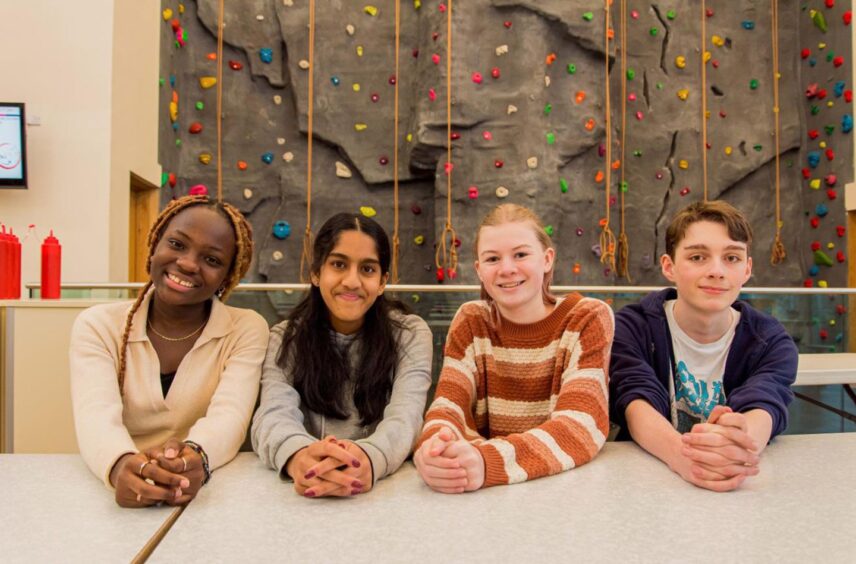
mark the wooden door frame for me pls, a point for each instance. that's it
(143, 209)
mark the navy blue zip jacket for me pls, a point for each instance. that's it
(759, 371)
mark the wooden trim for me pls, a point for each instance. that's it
(851, 279)
(143, 211)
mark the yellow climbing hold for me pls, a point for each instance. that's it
(683, 164)
(707, 56)
(181, 8)
(822, 144)
(173, 111)
(680, 61)
(821, 45)
(368, 211)
(728, 150)
(815, 184)
(359, 50)
(356, 87)
(360, 126)
(205, 158)
(683, 94)
(417, 4)
(409, 137)
(370, 10)
(830, 246)
(207, 81)
(717, 40)
(419, 239)
(167, 14)
(821, 284)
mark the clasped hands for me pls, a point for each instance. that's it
(448, 464)
(330, 467)
(170, 474)
(719, 455)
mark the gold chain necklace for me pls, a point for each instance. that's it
(173, 339)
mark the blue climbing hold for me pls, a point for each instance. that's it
(846, 123)
(814, 270)
(334, 80)
(172, 80)
(839, 88)
(267, 158)
(812, 62)
(175, 126)
(748, 25)
(813, 159)
(821, 210)
(266, 54)
(281, 229)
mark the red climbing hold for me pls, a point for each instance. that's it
(815, 245)
(839, 256)
(815, 222)
(813, 134)
(805, 53)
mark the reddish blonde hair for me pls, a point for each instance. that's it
(513, 213)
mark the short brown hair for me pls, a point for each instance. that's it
(717, 211)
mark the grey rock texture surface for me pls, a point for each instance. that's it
(547, 105)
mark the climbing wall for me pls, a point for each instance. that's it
(529, 124)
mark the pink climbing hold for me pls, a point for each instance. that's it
(639, 116)
(432, 94)
(634, 14)
(487, 135)
(435, 58)
(477, 77)
(473, 192)
(198, 190)
(631, 97)
(830, 180)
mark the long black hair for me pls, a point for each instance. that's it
(321, 369)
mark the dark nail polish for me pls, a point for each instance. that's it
(309, 493)
(309, 475)
(356, 484)
(355, 463)
(355, 492)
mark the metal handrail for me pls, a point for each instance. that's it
(256, 287)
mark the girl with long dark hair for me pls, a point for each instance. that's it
(347, 373)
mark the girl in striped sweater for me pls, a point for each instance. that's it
(523, 389)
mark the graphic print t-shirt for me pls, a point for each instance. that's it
(695, 387)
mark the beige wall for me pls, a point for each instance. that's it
(97, 100)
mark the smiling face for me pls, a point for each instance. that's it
(709, 268)
(350, 280)
(192, 258)
(511, 264)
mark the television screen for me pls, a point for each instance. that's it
(13, 146)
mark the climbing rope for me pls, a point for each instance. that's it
(607, 239)
(220, 101)
(704, 96)
(446, 256)
(306, 256)
(778, 253)
(623, 253)
(396, 243)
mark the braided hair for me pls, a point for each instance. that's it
(239, 267)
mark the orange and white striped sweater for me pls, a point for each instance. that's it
(532, 398)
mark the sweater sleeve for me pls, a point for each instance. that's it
(393, 438)
(455, 395)
(97, 404)
(769, 384)
(632, 375)
(223, 428)
(278, 430)
(579, 422)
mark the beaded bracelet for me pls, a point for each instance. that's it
(201, 452)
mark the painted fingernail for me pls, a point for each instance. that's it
(356, 484)
(177, 493)
(356, 491)
(170, 453)
(309, 493)
(185, 483)
(309, 475)
(355, 463)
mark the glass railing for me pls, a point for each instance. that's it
(816, 318)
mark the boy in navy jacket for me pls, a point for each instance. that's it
(698, 379)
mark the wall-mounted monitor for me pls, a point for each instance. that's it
(13, 146)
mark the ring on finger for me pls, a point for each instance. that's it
(142, 467)
(139, 497)
(184, 460)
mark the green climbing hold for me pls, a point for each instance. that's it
(623, 186)
(753, 84)
(549, 230)
(757, 147)
(164, 179)
(551, 138)
(631, 74)
(829, 129)
(830, 56)
(547, 109)
(200, 106)
(822, 259)
(819, 20)
(671, 14)
(178, 142)
(637, 153)
(572, 68)
(161, 81)
(563, 185)
(659, 86)
(588, 16)
(814, 109)
(653, 31)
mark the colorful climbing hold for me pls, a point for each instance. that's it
(266, 55)
(205, 158)
(502, 192)
(551, 138)
(477, 77)
(207, 81)
(281, 229)
(242, 165)
(195, 128)
(572, 68)
(368, 211)
(683, 94)
(680, 61)
(473, 192)
(267, 157)
(563, 185)
(753, 84)
(198, 190)
(235, 65)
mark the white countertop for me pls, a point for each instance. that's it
(826, 368)
(53, 509)
(624, 506)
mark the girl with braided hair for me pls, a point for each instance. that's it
(163, 389)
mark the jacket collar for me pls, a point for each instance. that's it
(219, 322)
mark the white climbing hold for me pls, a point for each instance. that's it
(342, 170)
(260, 18)
(277, 256)
(532, 162)
(303, 63)
(248, 193)
(277, 99)
(288, 3)
(547, 81)
(501, 50)
(502, 192)
(350, 29)
(511, 109)
(280, 140)
(288, 157)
